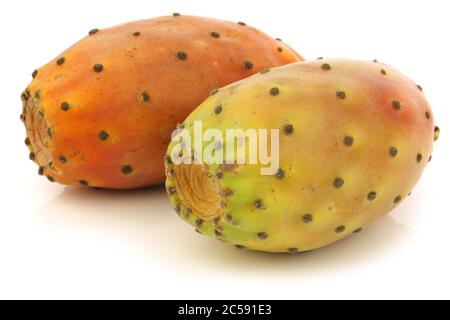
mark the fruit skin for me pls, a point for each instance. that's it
(101, 113)
(355, 137)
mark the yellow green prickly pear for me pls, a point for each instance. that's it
(354, 138)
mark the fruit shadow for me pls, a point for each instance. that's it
(145, 221)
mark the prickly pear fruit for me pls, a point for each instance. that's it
(101, 113)
(354, 138)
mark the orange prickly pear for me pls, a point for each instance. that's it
(101, 113)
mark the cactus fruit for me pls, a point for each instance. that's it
(101, 113)
(354, 138)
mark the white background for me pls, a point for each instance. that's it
(69, 242)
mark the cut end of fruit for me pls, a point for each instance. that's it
(38, 132)
(199, 190)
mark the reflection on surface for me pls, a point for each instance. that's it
(144, 221)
